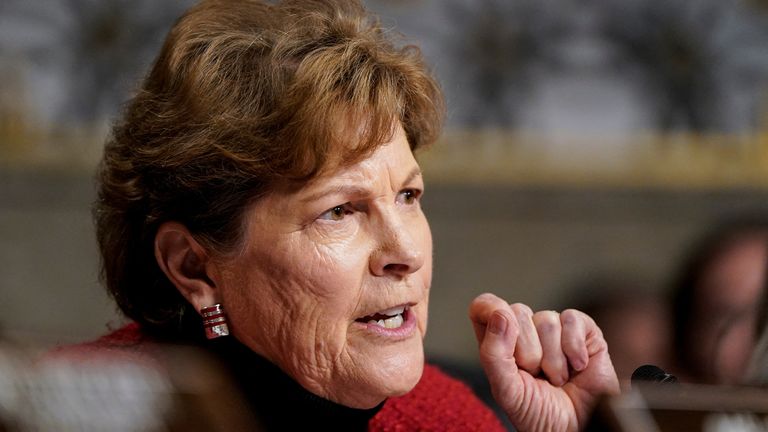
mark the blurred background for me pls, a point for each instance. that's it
(590, 145)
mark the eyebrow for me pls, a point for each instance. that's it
(348, 189)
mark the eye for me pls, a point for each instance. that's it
(336, 214)
(409, 196)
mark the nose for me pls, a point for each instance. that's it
(398, 250)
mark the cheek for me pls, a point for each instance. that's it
(247, 295)
(336, 268)
(734, 351)
(426, 246)
(425, 275)
(282, 311)
(309, 290)
(260, 291)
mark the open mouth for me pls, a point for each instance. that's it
(390, 318)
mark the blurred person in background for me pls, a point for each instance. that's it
(261, 191)
(716, 301)
(635, 321)
(757, 372)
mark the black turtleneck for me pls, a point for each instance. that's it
(279, 402)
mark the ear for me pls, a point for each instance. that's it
(185, 262)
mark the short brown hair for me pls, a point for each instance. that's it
(245, 95)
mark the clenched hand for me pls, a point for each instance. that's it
(546, 369)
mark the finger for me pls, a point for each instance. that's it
(480, 311)
(497, 355)
(574, 325)
(500, 337)
(528, 351)
(497, 333)
(553, 361)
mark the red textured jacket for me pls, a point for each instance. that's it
(437, 403)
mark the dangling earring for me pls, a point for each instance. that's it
(214, 321)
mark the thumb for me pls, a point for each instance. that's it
(497, 355)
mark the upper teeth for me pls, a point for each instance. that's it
(393, 322)
(395, 319)
(394, 311)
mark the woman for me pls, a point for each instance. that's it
(716, 298)
(262, 185)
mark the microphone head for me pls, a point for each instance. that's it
(651, 373)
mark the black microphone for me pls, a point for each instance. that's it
(651, 373)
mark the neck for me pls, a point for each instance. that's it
(278, 401)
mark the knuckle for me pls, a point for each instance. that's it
(491, 355)
(546, 321)
(488, 357)
(522, 309)
(571, 317)
(486, 297)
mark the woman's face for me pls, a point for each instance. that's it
(332, 284)
(727, 310)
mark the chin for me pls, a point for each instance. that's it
(397, 375)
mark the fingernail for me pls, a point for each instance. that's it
(498, 324)
(578, 364)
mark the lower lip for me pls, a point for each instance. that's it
(402, 332)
